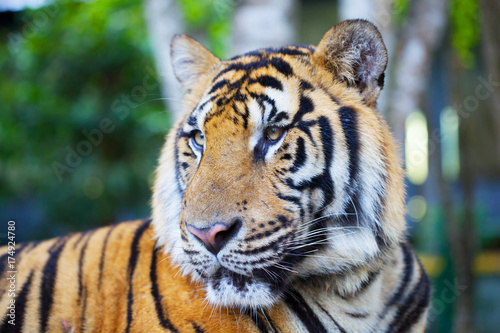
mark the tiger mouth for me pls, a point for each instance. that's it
(229, 288)
(240, 282)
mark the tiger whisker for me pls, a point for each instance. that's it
(319, 230)
(306, 236)
(323, 241)
(308, 223)
(278, 265)
(265, 317)
(274, 277)
(284, 267)
(325, 257)
(355, 211)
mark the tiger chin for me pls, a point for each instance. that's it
(278, 206)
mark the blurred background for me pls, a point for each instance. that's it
(87, 96)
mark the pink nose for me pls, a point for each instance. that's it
(215, 236)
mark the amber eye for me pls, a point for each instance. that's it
(273, 133)
(199, 138)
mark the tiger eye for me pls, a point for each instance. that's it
(199, 138)
(273, 133)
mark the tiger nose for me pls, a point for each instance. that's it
(217, 235)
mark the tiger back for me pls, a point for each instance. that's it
(278, 206)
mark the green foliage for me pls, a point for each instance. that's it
(68, 69)
(465, 29)
(212, 16)
(400, 10)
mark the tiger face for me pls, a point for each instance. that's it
(281, 168)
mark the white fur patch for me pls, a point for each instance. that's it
(256, 295)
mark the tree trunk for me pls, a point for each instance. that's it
(489, 10)
(164, 20)
(464, 306)
(264, 23)
(427, 20)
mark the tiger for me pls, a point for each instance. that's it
(278, 206)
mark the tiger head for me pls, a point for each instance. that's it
(281, 169)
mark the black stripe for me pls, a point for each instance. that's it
(269, 321)
(281, 66)
(262, 99)
(277, 63)
(103, 254)
(327, 141)
(33, 245)
(294, 200)
(304, 85)
(302, 310)
(80, 237)
(240, 66)
(340, 328)
(197, 328)
(325, 181)
(305, 126)
(280, 116)
(231, 86)
(405, 280)
(267, 81)
(134, 255)
(82, 291)
(349, 121)
(407, 274)
(20, 304)
(299, 50)
(414, 305)
(162, 317)
(294, 50)
(423, 302)
(305, 106)
(357, 314)
(227, 97)
(244, 115)
(49, 275)
(215, 87)
(300, 155)
(372, 277)
(191, 121)
(80, 265)
(4, 258)
(84, 310)
(258, 321)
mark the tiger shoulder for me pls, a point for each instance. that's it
(278, 206)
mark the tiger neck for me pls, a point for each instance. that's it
(354, 282)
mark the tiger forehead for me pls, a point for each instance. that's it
(277, 59)
(245, 77)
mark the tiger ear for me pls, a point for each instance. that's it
(190, 59)
(353, 51)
